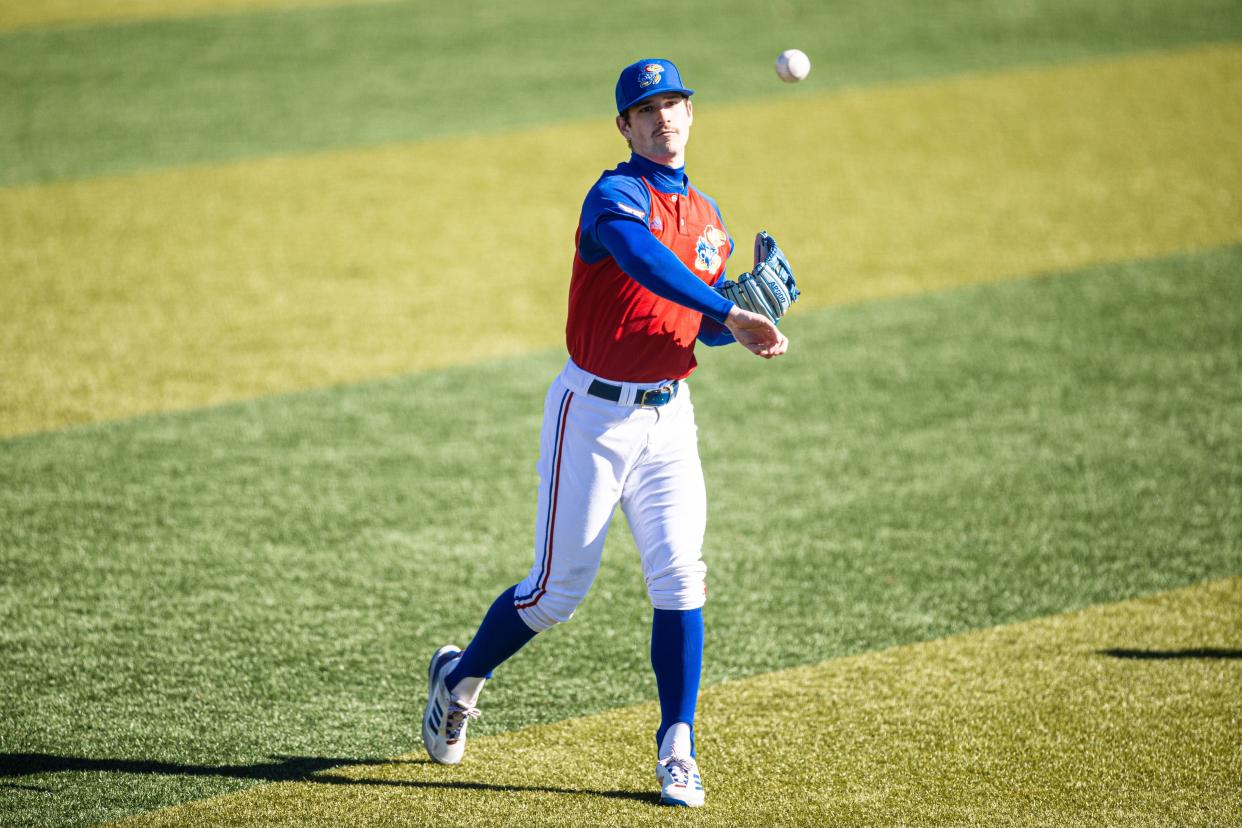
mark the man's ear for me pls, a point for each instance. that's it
(623, 126)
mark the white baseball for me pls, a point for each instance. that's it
(793, 65)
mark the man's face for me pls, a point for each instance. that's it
(659, 127)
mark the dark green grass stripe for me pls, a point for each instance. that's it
(85, 101)
(193, 597)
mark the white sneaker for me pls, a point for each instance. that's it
(680, 783)
(446, 717)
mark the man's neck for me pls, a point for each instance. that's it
(665, 178)
(673, 162)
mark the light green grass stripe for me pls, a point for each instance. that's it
(1120, 714)
(180, 289)
(26, 14)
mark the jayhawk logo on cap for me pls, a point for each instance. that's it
(707, 249)
(650, 75)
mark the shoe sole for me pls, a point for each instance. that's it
(428, 734)
(677, 803)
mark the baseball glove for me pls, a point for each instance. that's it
(769, 288)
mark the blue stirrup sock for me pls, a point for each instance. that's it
(677, 658)
(502, 633)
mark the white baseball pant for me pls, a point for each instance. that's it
(594, 454)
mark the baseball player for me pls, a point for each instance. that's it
(648, 280)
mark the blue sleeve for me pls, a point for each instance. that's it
(613, 196)
(713, 333)
(657, 268)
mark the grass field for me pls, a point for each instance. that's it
(175, 289)
(997, 727)
(281, 292)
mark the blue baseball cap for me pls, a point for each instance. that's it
(646, 78)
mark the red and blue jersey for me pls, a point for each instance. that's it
(618, 328)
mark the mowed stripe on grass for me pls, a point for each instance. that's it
(84, 101)
(177, 289)
(1120, 714)
(25, 15)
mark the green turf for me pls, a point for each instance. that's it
(1120, 714)
(53, 13)
(88, 100)
(187, 599)
(124, 296)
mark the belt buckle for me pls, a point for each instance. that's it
(654, 397)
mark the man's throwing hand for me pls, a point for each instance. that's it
(756, 333)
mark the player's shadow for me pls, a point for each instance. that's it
(311, 769)
(1172, 655)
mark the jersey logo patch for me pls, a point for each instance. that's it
(657, 224)
(650, 75)
(707, 249)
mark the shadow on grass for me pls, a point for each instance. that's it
(280, 769)
(1165, 655)
(16, 787)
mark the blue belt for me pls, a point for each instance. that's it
(650, 397)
